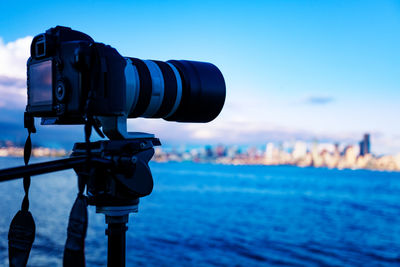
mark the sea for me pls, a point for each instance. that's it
(222, 215)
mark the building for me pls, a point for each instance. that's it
(365, 145)
(300, 150)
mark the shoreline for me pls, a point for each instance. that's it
(280, 165)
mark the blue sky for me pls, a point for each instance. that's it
(326, 70)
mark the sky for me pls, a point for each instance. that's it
(294, 70)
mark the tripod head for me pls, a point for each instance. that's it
(114, 188)
(125, 179)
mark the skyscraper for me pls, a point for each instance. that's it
(365, 145)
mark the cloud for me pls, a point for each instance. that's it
(12, 82)
(12, 92)
(233, 131)
(13, 57)
(242, 131)
(319, 100)
(385, 143)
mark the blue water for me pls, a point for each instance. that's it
(215, 215)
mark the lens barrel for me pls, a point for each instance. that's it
(176, 90)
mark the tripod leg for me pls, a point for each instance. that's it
(116, 240)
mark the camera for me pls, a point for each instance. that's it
(74, 80)
(70, 76)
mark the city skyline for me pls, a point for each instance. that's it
(297, 153)
(326, 71)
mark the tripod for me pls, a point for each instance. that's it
(116, 174)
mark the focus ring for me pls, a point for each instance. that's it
(157, 93)
(145, 90)
(170, 89)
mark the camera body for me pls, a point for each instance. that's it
(66, 69)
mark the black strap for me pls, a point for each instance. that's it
(74, 251)
(27, 179)
(20, 238)
(22, 228)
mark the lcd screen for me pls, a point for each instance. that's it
(40, 83)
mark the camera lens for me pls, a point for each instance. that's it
(177, 90)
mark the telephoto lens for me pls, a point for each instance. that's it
(176, 90)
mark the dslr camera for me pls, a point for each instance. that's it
(70, 77)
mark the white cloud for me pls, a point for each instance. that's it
(385, 143)
(238, 131)
(12, 93)
(205, 134)
(13, 57)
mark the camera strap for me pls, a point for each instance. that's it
(22, 228)
(74, 250)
